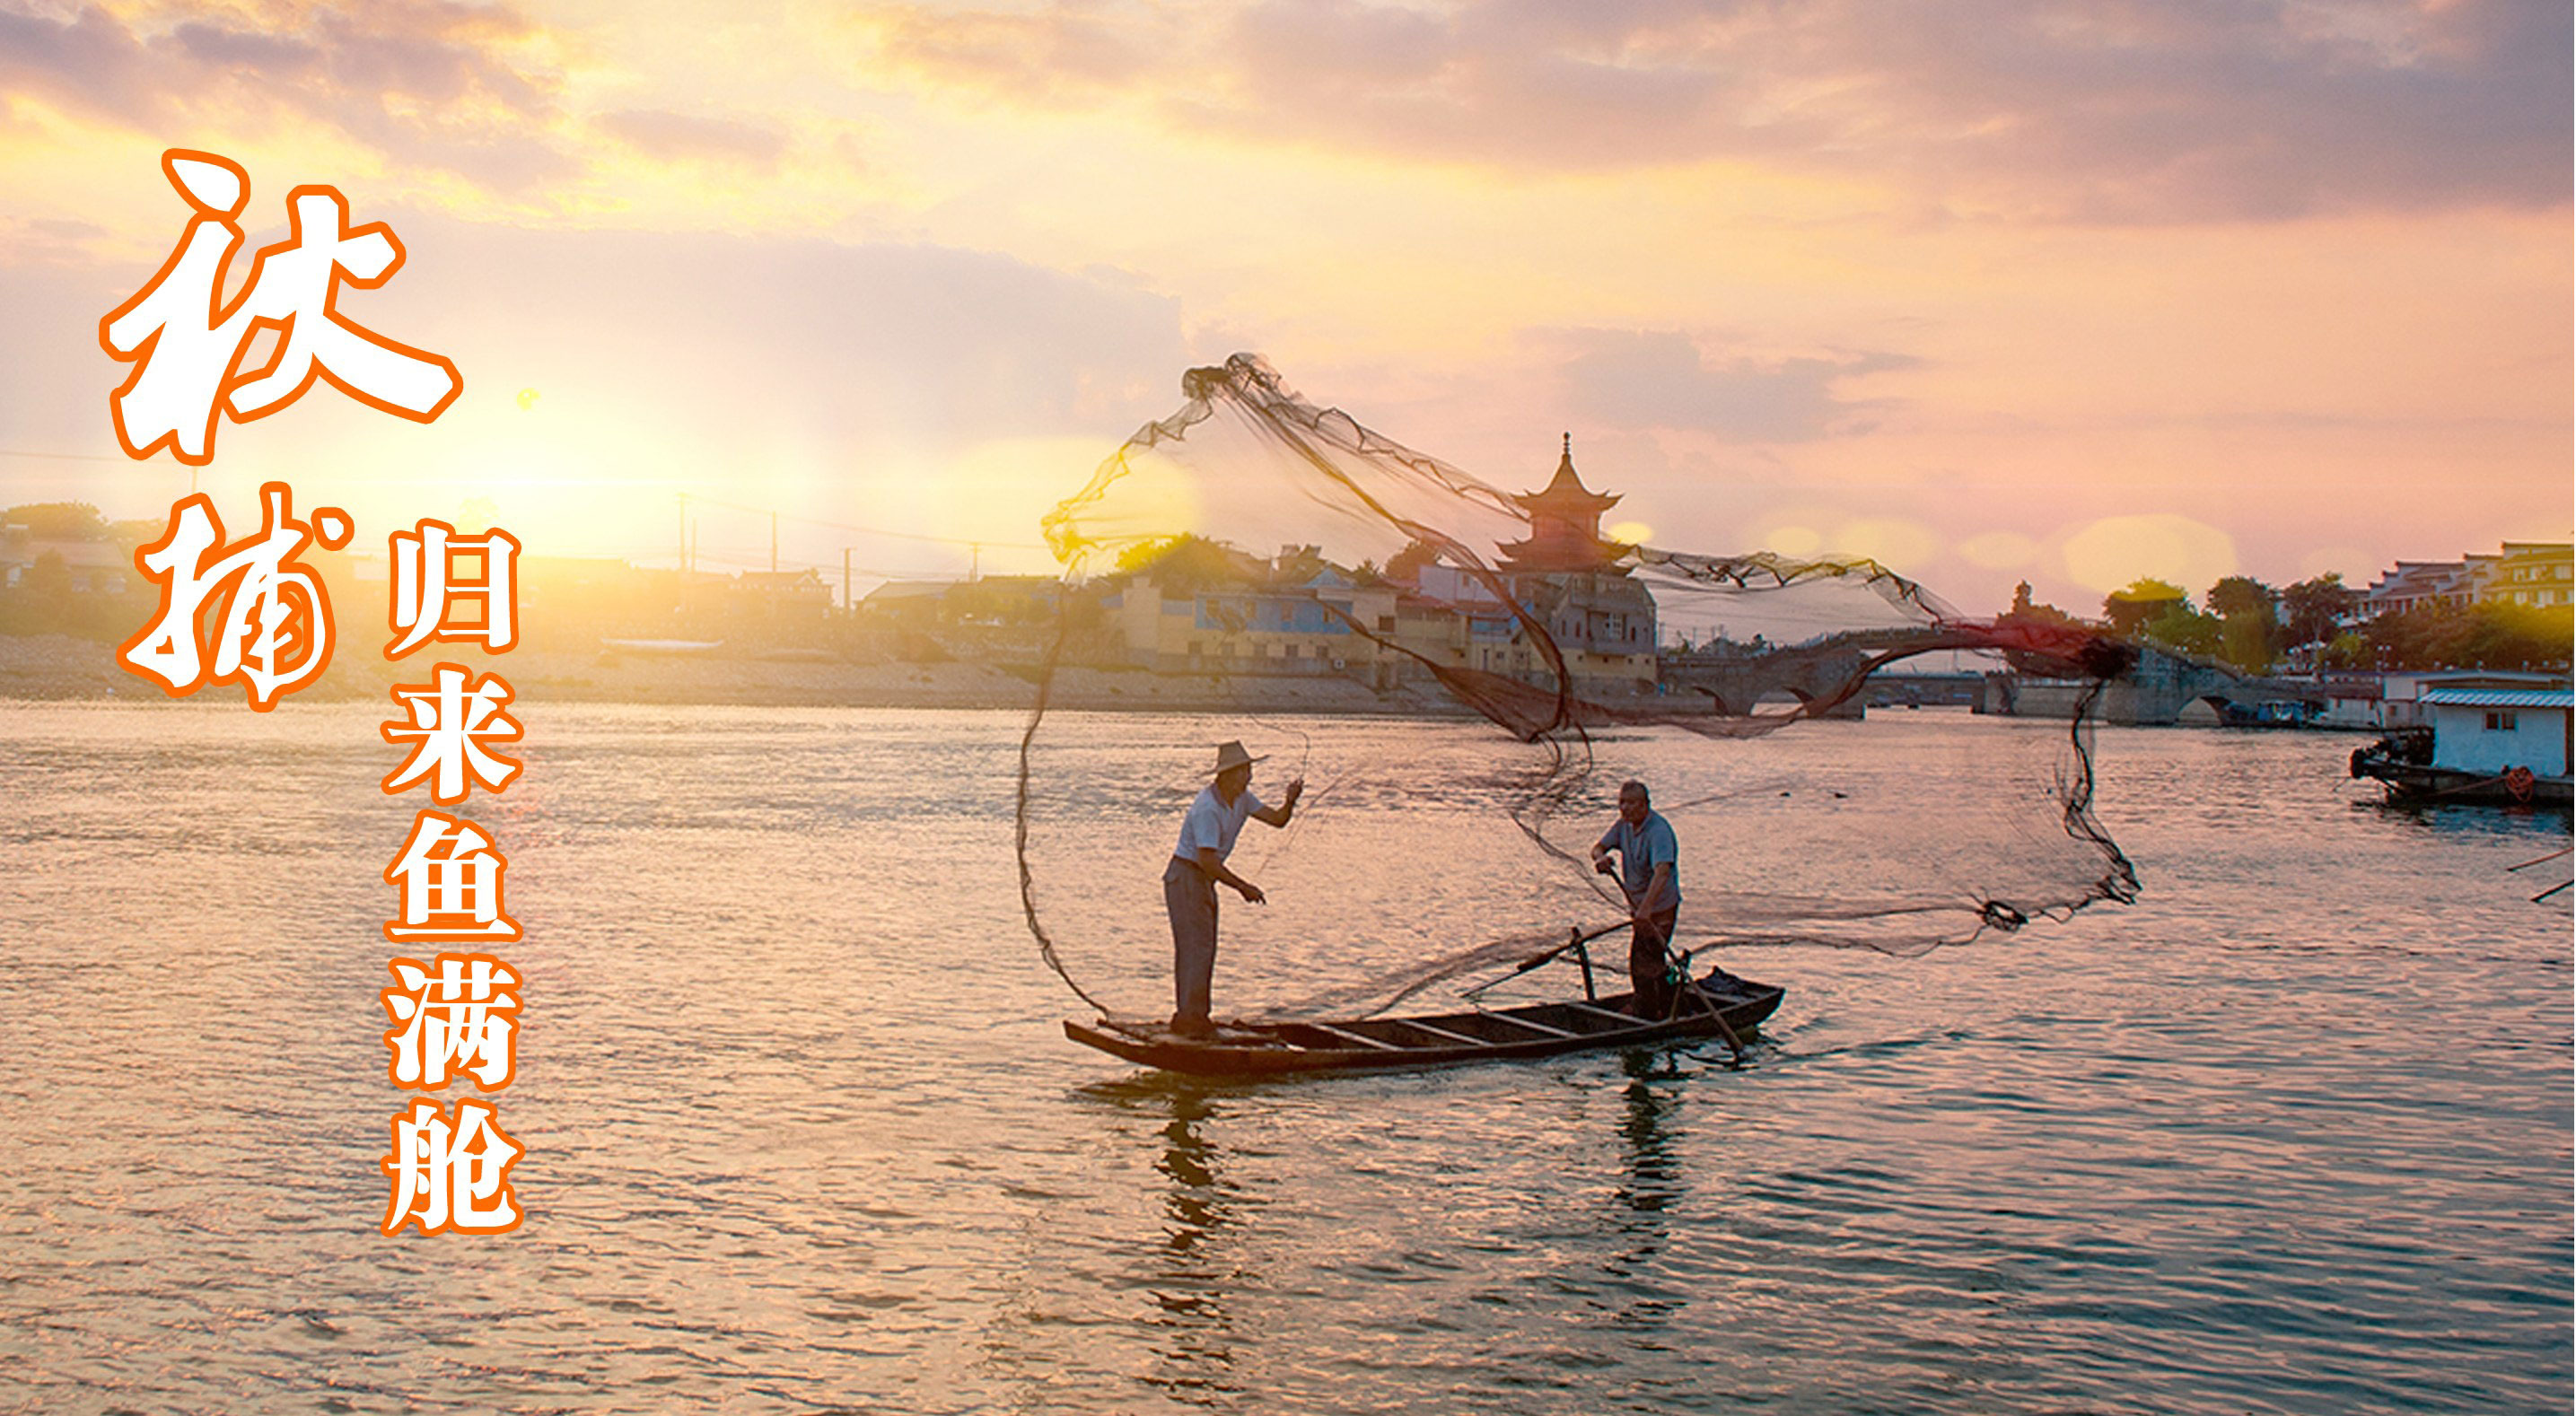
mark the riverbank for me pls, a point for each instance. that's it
(59, 668)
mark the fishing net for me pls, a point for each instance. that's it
(1464, 677)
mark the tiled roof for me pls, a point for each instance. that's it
(2498, 697)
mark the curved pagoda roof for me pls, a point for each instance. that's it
(1565, 525)
(1565, 495)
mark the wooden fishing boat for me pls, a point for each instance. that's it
(1721, 1006)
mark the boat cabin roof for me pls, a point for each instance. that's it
(2558, 698)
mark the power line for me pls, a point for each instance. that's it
(864, 530)
(969, 542)
(60, 456)
(737, 559)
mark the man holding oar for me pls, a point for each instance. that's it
(1649, 875)
(1198, 867)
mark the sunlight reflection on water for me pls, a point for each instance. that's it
(2290, 1133)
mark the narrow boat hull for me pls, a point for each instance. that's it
(1443, 1040)
(2414, 784)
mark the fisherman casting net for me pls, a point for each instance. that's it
(1464, 677)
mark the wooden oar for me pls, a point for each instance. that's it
(2540, 860)
(1578, 940)
(1716, 1014)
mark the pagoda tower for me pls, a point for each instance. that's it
(1565, 528)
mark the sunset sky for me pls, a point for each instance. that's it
(2071, 292)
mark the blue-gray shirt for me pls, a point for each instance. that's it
(1641, 849)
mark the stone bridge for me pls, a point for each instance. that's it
(1734, 677)
(2156, 692)
(2163, 684)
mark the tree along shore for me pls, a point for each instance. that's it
(57, 667)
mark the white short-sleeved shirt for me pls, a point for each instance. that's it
(1213, 824)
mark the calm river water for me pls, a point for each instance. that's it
(2290, 1134)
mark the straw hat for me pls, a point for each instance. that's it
(1231, 755)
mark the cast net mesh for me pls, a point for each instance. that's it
(1464, 677)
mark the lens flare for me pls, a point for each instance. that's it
(2116, 550)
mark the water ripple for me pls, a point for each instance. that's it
(2290, 1135)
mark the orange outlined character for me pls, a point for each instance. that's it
(187, 343)
(450, 723)
(451, 1172)
(273, 634)
(449, 873)
(454, 1016)
(439, 575)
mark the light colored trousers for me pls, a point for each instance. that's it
(1189, 897)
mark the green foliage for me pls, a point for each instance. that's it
(2181, 627)
(2245, 642)
(2249, 637)
(2241, 595)
(2311, 610)
(1144, 554)
(48, 581)
(58, 521)
(2144, 600)
(2347, 651)
(45, 602)
(1405, 567)
(2024, 608)
(1185, 563)
(2491, 635)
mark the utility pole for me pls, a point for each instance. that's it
(975, 562)
(848, 605)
